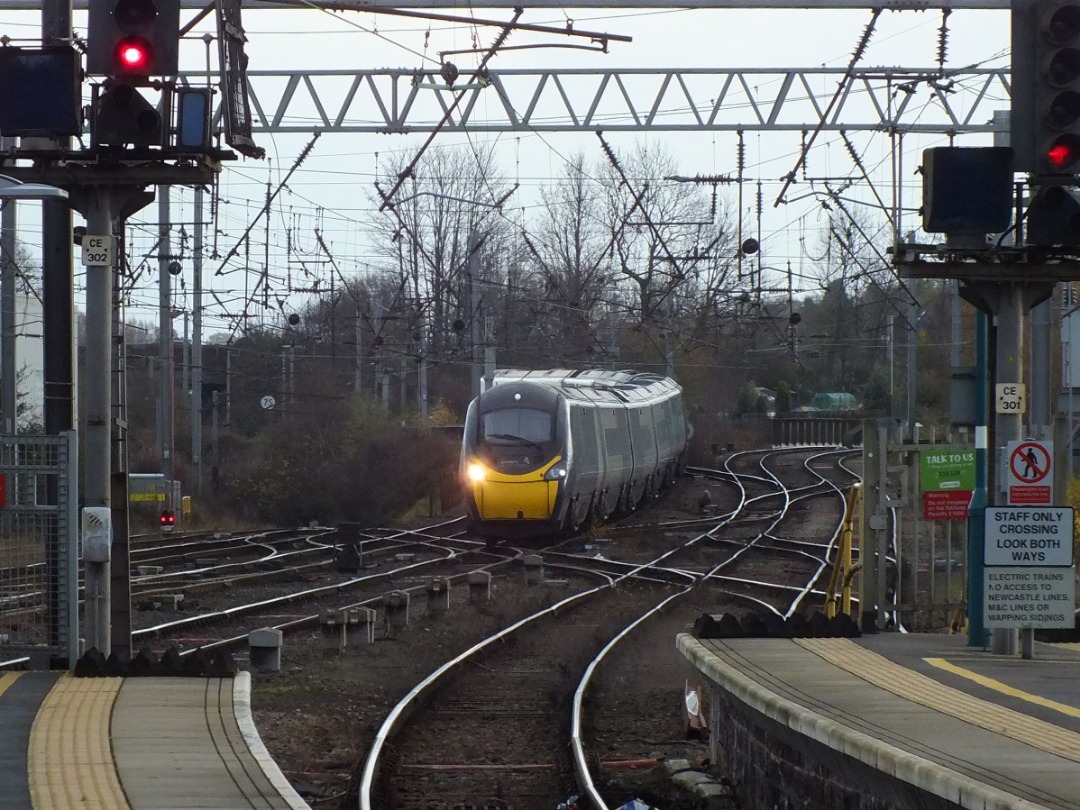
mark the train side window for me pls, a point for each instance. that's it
(641, 432)
(616, 433)
(583, 428)
(663, 425)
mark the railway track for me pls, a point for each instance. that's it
(510, 717)
(518, 699)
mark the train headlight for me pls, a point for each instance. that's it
(476, 473)
(557, 472)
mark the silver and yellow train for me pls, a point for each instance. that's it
(545, 451)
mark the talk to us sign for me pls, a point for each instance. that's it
(947, 479)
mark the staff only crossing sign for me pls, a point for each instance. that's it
(1029, 580)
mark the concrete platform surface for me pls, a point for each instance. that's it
(977, 729)
(134, 744)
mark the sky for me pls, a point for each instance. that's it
(329, 191)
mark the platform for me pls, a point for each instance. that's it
(922, 718)
(157, 743)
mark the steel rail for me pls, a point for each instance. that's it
(407, 704)
(363, 603)
(584, 777)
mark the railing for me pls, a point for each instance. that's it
(810, 429)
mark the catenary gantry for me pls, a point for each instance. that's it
(902, 100)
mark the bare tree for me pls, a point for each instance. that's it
(572, 263)
(425, 233)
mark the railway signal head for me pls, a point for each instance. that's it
(1045, 126)
(122, 117)
(1054, 217)
(168, 520)
(133, 39)
(967, 189)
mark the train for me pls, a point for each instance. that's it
(544, 452)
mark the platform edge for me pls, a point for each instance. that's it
(244, 719)
(904, 765)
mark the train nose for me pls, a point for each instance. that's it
(532, 500)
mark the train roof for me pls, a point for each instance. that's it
(595, 385)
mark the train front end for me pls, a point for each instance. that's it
(513, 461)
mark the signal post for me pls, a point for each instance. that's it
(133, 48)
(1009, 243)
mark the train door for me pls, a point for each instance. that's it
(618, 453)
(588, 468)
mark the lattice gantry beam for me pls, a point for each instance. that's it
(579, 100)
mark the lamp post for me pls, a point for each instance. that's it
(62, 572)
(12, 190)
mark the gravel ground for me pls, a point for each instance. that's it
(319, 714)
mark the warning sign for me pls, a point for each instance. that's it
(1029, 597)
(946, 505)
(1029, 477)
(1027, 535)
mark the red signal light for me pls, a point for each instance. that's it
(133, 56)
(168, 518)
(1060, 155)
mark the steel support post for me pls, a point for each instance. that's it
(912, 375)
(120, 562)
(98, 400)
(165, 343)
(196, 344)
(421, 381)
(475, 314)
(58, 289)
(976, 530)
(8, 375)
(872, 520)
(1008, 427)
(1009, 301)
(1040, 405)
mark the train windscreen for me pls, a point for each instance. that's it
(515, 440)
(511, 425)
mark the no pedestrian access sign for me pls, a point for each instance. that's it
(1029, 477)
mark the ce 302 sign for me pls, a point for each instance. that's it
(97, 251)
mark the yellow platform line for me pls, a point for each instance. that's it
(7, 679)
(924, 690)
(70, 763)
(1004, 688)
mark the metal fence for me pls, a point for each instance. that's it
(39, 608)
(795, 431)
(921, 585)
